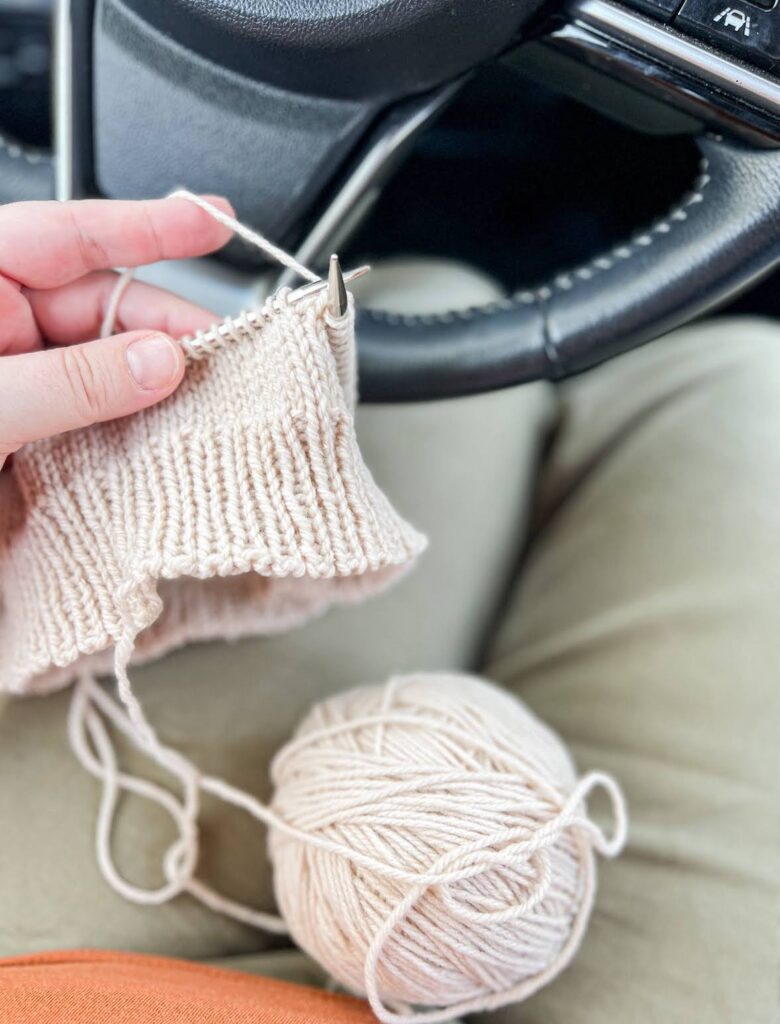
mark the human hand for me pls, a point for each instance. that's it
(55, 286)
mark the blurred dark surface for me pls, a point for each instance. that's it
(523, 182)
(25, 59)
(512, 178)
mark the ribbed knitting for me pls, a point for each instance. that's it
(241, 505)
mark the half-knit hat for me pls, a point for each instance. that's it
(241, 505)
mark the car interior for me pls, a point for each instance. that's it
(543, 189)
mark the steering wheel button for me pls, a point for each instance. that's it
(745, 27)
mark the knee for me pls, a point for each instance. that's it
(727, 351)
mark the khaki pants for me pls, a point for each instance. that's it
(623, 531)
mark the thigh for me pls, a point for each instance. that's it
(460, 471)
(644, 628)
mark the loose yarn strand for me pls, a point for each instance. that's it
(101, 763)
(180, 860)
(254, 238)
(108, 324)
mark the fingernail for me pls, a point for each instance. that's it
(153, 361)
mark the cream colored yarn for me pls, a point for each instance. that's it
(430, 839)
(434, 847)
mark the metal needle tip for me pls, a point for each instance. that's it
(316, 287)
(337, 290)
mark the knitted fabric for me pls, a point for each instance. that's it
(241, 505)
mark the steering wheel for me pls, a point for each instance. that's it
(298, 110)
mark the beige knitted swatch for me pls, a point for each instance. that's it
(241, 505)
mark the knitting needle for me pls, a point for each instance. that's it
(335, 288)
(310, 289)
(337, 291)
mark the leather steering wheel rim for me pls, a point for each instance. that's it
(718, 239)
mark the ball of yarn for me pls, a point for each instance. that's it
(432, 846)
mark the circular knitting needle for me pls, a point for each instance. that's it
(338, 304)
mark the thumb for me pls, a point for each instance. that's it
(46, 393)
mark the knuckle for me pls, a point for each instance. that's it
(92, 251)
(157, 241)
(87, 387)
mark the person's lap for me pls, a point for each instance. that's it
(641, 627)
(644, 629)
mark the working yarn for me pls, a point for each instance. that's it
(433, 846)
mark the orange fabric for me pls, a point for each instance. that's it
(92, 987)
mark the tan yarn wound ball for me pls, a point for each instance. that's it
(436, 849)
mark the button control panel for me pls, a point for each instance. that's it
(751, 30)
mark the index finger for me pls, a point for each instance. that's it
(47, 244)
